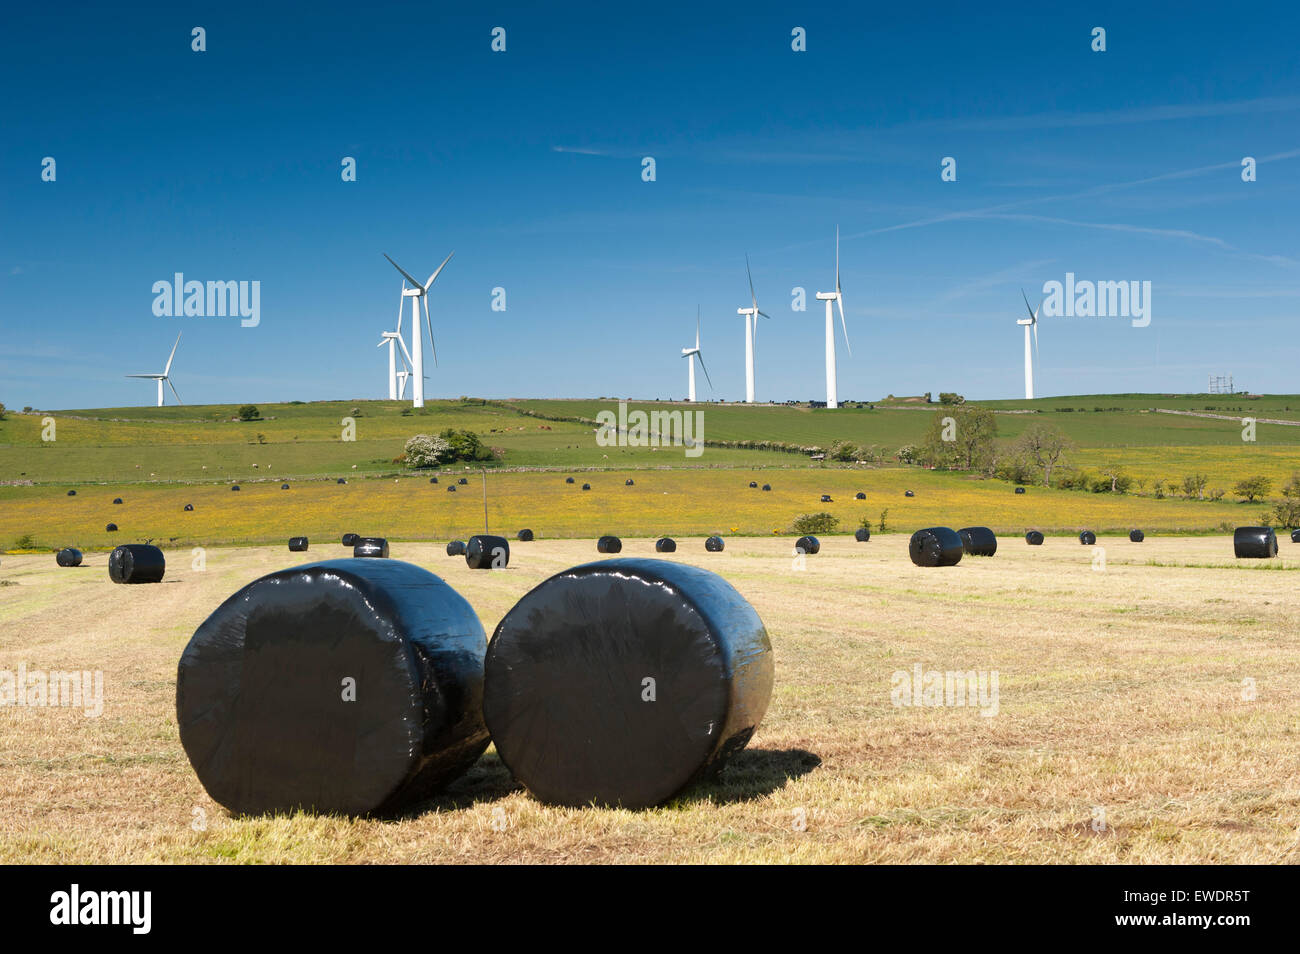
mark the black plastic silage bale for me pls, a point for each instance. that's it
(665, 545)
(68, 556)
(451, 488)
(586, 486)
(767, 486)
(715, 544)
(1034, 538)
(1295, 536)
(72, 493)
(609, 544)
(628, 483)
(908, 493)
(234, 486)
(1088, 538)
(978, 541)
(189, 507)
(1136, 536)
(1255, 543)
(935, 546)
(136, 563)
(808, 545)
(297, 544)
(621, 682)
(1020, 490)
(753, 483)
(348, 686)
(456, 548)
(568, 480)
(525, 535)
(859, 496)
(433, 480)
(464, 481)
(350, 539)
(284, 486)
(862, 534)
(486, 552)
(117, 500)
(371, 547)
(110, 528)
(826, 498)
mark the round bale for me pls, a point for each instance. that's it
(463, 482)
(1034, 538)
(433, 480)
(1295, 536)
(117, 500)
(767, 486)
(284, 486)
(935, 546)
(297, 544)
(451, 488)
(1254, 543)
(456, 548)
(350, 539)
(189, 507)
(586, 486)
(486, 552)
(862, 534)
(234, 486)
(1136, 536)
(609, 544)
(136, 563)
(714, 544)
(340, 481)
(808, 545)
(978, 541)
(665, 545)
(753, 484)
(525, 535)
(826, 498)
(629, 482)
(371, 547)
(111, 528)
(345, 686)
(621, 682)
(908, 493)
(1020, 490)
(859, 496)
(1088, 538)
(72, 493)
(68, 556)
(568, 480)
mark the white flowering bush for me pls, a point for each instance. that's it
(427, 450)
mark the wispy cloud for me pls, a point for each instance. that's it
(1115, 117)
(582, 151)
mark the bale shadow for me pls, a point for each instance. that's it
(487, 781)
(751, 774)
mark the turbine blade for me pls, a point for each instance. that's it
(752, 297)
(167, 370)
(765, 315)
(1027, 307)
(427, 322)
(401, 306)
(840, 304)
(406, 355)
(405, 273)
(697, 327)
(151, 376)
(1035, 327)
(705, 370)
(434, 276)
(837, 258)
(173, 387)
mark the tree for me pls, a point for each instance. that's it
(1252, 487)
(844, 452)
(2, 412)
(1287, 513)
(961, 439)
(1045, 445)
(1194, 486)
(424, 450)
(249, 412)
(948, 397)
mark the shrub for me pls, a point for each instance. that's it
(883, 514)
(815, 523)
(1251, 488)
(844, 451)
(425, 450)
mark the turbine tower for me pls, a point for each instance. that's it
(750, 315)
(690, 354)
(832, 398)
(165, 376)
(421, 294)
(1030, 322)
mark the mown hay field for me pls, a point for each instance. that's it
(1144, 713)
(660, 502)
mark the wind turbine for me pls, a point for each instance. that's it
(837, 296)
(165, 376)
(394, 341)
(751, 333)
(420, 293)
(1030, 322)
(690, 354)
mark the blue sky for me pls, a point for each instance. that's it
(225, 165)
